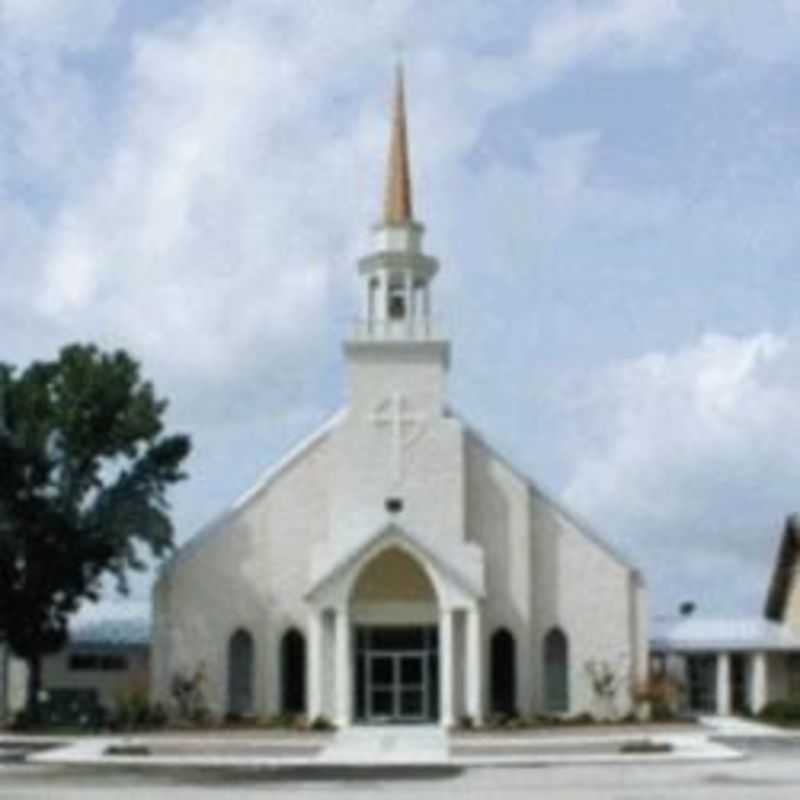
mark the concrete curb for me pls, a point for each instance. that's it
(91, 753)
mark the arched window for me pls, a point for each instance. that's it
(240, 673)
(293, 671)
(503, 678)
(556, 671)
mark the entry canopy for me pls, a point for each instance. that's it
(454, 585)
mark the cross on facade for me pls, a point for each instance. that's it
(404, 425)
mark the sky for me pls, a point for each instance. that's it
(611, 186)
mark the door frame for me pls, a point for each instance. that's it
(396, 686)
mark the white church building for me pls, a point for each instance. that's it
(394, 567)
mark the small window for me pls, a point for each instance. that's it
(556, 671)
(397, 304)
(394, 505)
(793, 674)
(82, 662)
(105, 662)
(113, 663)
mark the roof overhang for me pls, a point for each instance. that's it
(786, 566)
(453, 583)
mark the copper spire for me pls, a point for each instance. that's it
(397, 208)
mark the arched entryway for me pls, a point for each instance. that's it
(293, 672)
(556, 671)
(503, 673)
(240, 673)
(394, 614)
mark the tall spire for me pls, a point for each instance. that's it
(397, 208)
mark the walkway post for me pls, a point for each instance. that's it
(343, 667)
(446, 668)
(314, 665)
(723, 684)
(474, 664)
(758, 682)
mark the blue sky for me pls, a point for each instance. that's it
(612, 187)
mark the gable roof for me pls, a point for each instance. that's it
(570, 517)
(787, 562)
(392, 532)
(267, 478)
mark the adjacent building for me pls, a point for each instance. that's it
(105, 664)
(739, 664)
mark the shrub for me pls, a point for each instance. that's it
(64, 708)
(782, 712)
(158, 716)
(187, 692)
(645, 746)
(322, 723)
(663, 693)
(127, 750)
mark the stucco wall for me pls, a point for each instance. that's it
(542, 571)
(498, 518)
(541, 568)
(427, 473)
(251, 573)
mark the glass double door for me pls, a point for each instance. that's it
(397, 687)
(396, 673)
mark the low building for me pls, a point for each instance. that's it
(109, 658)
(739, 664)
(104, 662)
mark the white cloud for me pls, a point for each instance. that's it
(207, 211)
(576, 32)
(68, 24)
(690, 458)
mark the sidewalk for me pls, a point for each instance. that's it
(418, 747)
(741, 728)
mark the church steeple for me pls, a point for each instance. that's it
(397, 206)
(397, 274)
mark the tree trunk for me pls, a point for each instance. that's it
(34, 687)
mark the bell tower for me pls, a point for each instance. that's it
(398, 452)
(397, 276)
(396, 326)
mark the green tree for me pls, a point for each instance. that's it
(84, 469)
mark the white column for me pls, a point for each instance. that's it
(409, 299)
(723, 684)
(369, 317)
(758, 682)
(314, 666)
(474, 665)
(383, 302)
(414, 313)
(446, 668)
(343, 667)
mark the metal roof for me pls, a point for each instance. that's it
(114, 632)
(702, 634)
